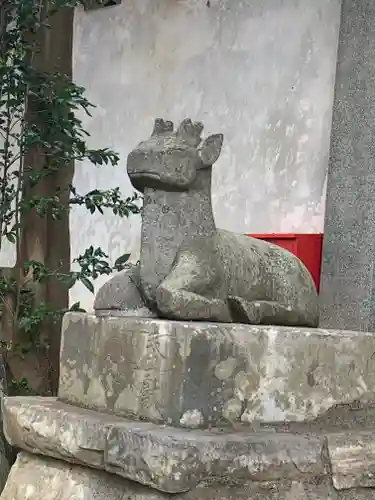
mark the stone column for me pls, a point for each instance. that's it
(347, 286)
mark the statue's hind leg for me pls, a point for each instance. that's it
(121, 296)
(174, 303)
(263, 312)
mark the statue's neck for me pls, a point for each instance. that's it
(169, 218)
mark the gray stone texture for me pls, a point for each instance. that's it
(170, 463)
(357, 494)
(352, 459)
(35, 478)
(193, 374)
(167, 459)
(189, 270)
(347, 286)
(121, 296)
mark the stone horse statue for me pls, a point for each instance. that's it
(189, 269)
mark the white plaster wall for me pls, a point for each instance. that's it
(260, 71)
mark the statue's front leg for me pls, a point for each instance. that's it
(192, 292)
(183, 305)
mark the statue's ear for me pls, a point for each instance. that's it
(210, 149)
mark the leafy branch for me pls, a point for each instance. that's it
(40, 118)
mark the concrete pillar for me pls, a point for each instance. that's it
(347, 286)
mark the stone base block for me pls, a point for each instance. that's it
(36, 478)
(82, 454)
(208, 375)
(167, 459)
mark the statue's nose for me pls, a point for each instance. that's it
(136, 159)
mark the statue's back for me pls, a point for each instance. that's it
(259, 270)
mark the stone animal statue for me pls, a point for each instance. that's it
(189, 269)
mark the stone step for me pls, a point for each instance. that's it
(36, 478)
(167, 459)
(208, 374)
(176, 460)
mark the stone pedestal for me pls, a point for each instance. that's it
(157, 410)
(347, 283)
(204, 375)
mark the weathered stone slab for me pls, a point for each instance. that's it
(210, 374)
(182, 460)
(165, 458)
(279, 490)
(352, 458)
(357, 494)
(43, 425)
(36, 478)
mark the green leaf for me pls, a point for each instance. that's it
(122, 260)
(76, 307)
(71, 281)
(88, 284)
(11, 237)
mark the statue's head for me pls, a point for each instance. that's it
(170, 160)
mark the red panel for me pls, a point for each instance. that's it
(307, 247)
